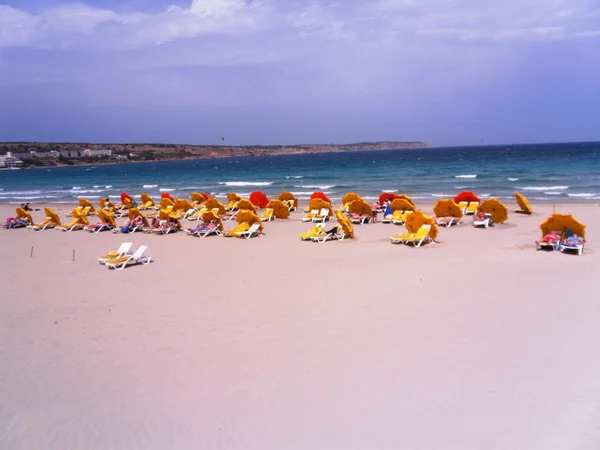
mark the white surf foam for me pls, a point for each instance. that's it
(108, 187)
(553, 193)
(297, 177)
(513, 179)
(544, 188)
(583, 195)
(315, 186)
(166, 190)
(247, 183)
(443, 195)
(389, 191)
(465, 176)
(149, 186)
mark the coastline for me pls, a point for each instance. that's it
(174, 354)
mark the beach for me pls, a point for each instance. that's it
(478, 341)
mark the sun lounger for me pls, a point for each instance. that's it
(237, 229)
(483, 223)
(463, 206)
(254, 230)
(316, 231)
(267, 215)
(310, 216)
(471, 209)
(416, 239)
(205, 230)
(124, 249)
(359, 220)
(569, 246)
(399, 217)
(291, 205)
(447, 221)
(334, 234)
(127, 260)
(322, 216)
(97, 228)
(74, 225)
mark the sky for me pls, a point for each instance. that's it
(446, 72)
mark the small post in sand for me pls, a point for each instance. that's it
(73, 254)
(31, 254)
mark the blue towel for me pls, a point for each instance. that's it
(388, 211)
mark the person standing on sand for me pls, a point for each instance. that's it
(374, 210)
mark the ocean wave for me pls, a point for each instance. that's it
(584, 195)
(88, 197)
(544, 188)
(463, 187)
(166, 189)
(78, 187)
(443, 195)
(30, 197)
(86, 191)
(465, 176)
(297, 177)
(389, 191)
(149, 186)
(11, 193)
(298, 194)
(315, 186)
(553, 193)
(109, 186)
(246, 183)
(512, 179)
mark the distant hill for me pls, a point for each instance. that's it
(157, 152)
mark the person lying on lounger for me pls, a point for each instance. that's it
(573, 241)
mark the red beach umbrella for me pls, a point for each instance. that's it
(320, 195)
(206, 196)
(466, 196)
(167, 195)
(387, 196)
(125, 197)
(259, 199)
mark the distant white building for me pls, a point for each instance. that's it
(9, 160)
(96, 153)
(69, 153)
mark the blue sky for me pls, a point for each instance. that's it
(448, 72)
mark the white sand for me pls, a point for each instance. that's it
(478, 342)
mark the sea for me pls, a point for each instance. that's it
(543, 172)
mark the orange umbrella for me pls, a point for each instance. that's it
(360, 207)
(350, 197)
(319, 203)
(288, 197)
(197, 197)
(417, 219)
(280, 209)
(247, 216)
(213, 203)
(246, 204)
(401, 204)
(209, 216)
(167, 195)
(233, 197)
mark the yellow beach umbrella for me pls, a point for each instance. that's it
(233, 197)
(166, 202)
(52, 216)
(182, 204)
(213, 203)
(147, 201)
(84, 203)
(350, 197)
(248, 216)
(104, 202)
(319, 203)
(402, 204)
(360, 207)
(209, 216)
(417, 219)
(197, 197)
(134, 212)
(280, 209)
(345, 224)
(288, 197)
(523, 203)
(22, 214)
(447, 208)
(246, 204)
(106, 217)
(562, 223)
(83, 220)
(408, 199)
(494, 207)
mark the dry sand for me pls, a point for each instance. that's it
(478, 342)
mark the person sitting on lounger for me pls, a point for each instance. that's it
(551, 237)
(573, 241)
(332, 230)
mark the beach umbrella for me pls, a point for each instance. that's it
(126, 198)
(168, 196)
(466, 196)
(52, 216)
(85, 203)
(259, 199)
(360, 207)
(233, 197)
(105, 201)
(319, 203)
(213, 203)
(146, 200)
(350, 197)
(246, 204)
(182, 204)
(81, 219)
(387, 197)
(407, 198)
(494, 207)
(134, 212)
(247, 216)
(523, 203)
(22, 214)
(320, 195)
(165, 202)
(197, 197)
(345, 224)
(173, 218)
(288, 197)
(417, 219)
(209, 216)
(280, 209)
(562, 223)
(107, 217)
(447, 208)
(206, 195)
(401, 204)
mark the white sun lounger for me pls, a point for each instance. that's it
(124, 249)
(337, 235)
(254, 230)
(126, 260)
(571, 248)
(322, 216)
(483, 223)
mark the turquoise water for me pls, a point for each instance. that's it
(548, 172)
